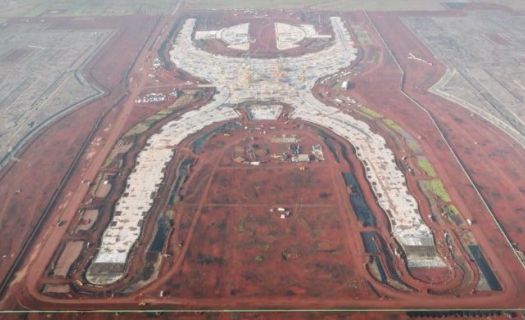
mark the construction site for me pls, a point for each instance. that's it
(280, 160)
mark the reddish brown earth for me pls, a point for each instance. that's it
(236, 240)
(231, 315)
(494, 162)
(68, 255)
(320, 229)
(495, 158)
(267, 315)
(215, 262)
(262, 31)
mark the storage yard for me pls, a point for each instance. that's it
(329, 169)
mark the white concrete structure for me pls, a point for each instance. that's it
(285, 139)
(235, 37)
(288, 36)
(317, 152)
(152, 97)
(142, 184)
(293, 88)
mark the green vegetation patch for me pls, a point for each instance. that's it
(413, 145)
(148, 123)
(152, 120)
(423, 163)
(453, 214)
(370, 112)
(392, 125)
(436, 187)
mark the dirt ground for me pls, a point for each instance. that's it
(228, 249)
(490, 156)
(493, 158)
(238, 240)
(68, 256)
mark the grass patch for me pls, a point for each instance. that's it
(452, 209)
(136, 130)
(152, 120)
(370, 112)
(426, 167)
(413, 145)
(148, 123)
(453, 214)
(436, 187)
(392, 125)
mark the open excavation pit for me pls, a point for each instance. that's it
(296, 77)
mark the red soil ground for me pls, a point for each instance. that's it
(492, 158)
(493, 163)
(238, 240)
(235, 315)
(262, 30)
(207, 271)
(379, 85)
